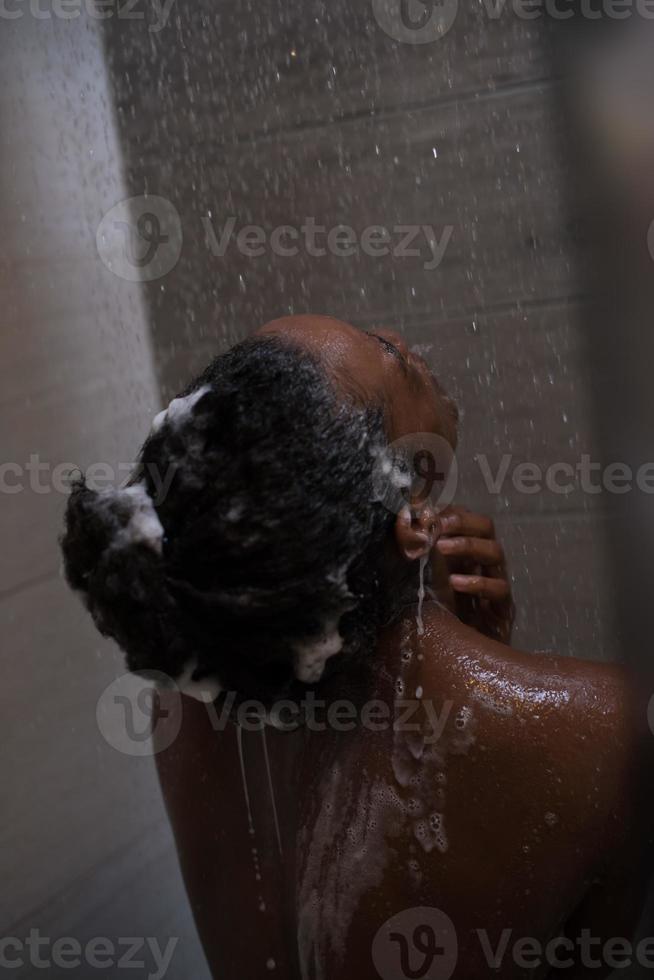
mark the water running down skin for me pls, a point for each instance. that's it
(542, 817)
(530, 811)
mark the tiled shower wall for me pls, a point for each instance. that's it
(85, 847)
(278, 114)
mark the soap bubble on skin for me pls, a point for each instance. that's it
(462, 718)
(311, 656)
(206, 689)
(143, 525)
(179, 410)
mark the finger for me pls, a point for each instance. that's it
(495, 589)
(482, 551)
(464, 523)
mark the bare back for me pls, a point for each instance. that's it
(494, 789)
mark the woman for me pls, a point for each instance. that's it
(398, 793)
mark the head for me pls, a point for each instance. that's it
(376, 369)
(252, 549)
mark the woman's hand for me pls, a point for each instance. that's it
(477, 572)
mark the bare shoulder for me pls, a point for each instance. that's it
(564, 699)
(566, 737)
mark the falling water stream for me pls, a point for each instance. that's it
(421, 592)
(271, 790)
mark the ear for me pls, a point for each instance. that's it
(415, 532)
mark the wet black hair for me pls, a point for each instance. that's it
(269, 529)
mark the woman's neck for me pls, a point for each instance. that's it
(415, 584)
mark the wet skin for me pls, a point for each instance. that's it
(538, 768)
